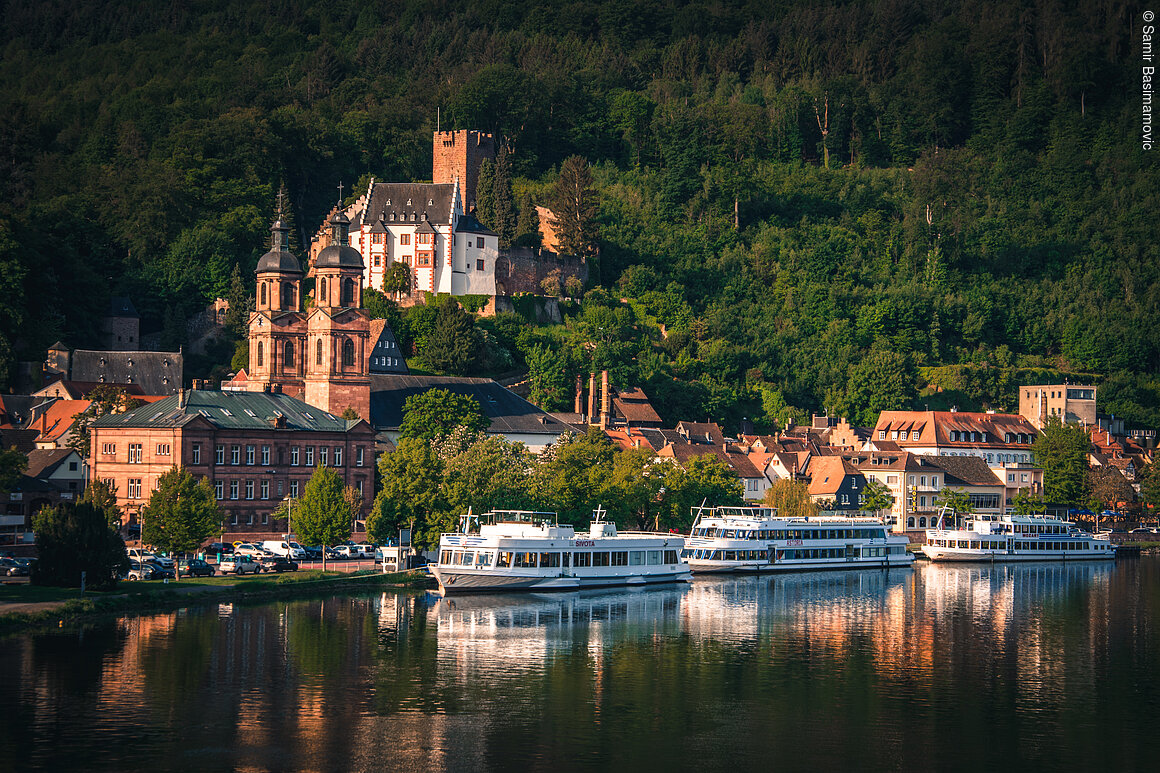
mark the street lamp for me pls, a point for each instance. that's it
(289, 500)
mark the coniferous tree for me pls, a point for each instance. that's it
(528, 223)
(505, 209)
(75, 539)
(574, 205)
(452, 346)
(485, 193)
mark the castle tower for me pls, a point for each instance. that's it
(337, 329)
(276, 330)
(456, 156)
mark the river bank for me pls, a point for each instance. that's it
(24, 607)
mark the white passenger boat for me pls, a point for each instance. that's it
(522, 550)
(755, 539)
(1015, 538)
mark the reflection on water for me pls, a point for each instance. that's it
(960, 667)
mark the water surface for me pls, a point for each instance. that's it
(1034, 667)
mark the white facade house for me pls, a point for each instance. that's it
(423, 226)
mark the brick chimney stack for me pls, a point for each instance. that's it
(579, 404)
(604, 400)
(591, 397)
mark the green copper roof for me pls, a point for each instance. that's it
(229, 410)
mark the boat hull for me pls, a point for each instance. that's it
(453, 582)
(997, 556)
(720, 567)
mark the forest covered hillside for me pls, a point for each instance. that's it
(827, 205)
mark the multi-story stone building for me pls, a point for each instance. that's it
(1071, 403)
(256, 448)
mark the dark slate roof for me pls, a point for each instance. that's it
(406, 199)
(279, 259)
(229, 410)
(122, 307)
(963, 470)
(509, 413)
(42, 462)
(58, 347)
(17, 409)
(23, 440)
(468, 224)
(386, 357)
(157, 373)
(339, 256)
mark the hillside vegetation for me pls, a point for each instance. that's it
(826, 204)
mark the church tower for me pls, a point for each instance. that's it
(276, 326)
(337, 329)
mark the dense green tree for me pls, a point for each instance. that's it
(706, 478)
(103, 496)
(75, 541)
(882, 381)
(1150, 488)
(574, 206)
(397, 279)
(490, 474)
(528, 223)
(1026, 503)
(181, 513)
(791, 498)
(1062, 453)
(452, 345)
(410, 493)
(504, 217)
(876, 497)
(548, 375)
(324, 515)
(12, 466)
(485, 193)
(575, 475)
(959, 503)
(437, 412)
(634, 488)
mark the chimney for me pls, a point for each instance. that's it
(579, 403)
(591, 397)
(181, 395)
(604, 400)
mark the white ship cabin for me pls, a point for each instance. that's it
(516, 523)
(762, 523)
(1012, 524)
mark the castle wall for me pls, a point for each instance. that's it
(522, 270)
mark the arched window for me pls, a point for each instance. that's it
(263, 293)
(289, 358)
(922, 523)
(322, 290)
(288, 297)
(910, 522)
(347, 292)
(347, 352)
(259, 354)
(318, 352)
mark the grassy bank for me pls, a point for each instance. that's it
(55, 605)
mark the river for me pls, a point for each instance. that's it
(1032, 667)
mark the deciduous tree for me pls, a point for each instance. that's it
(791, 498)
(181, 514)
(75, 539)
(1062, 453)
(436, 412)
(410, 490)
(324, 516)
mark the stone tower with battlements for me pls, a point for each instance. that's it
(456, 156)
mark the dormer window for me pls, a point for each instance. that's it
(430, 202)
(408, 202)
(392, 217)
(388, 202)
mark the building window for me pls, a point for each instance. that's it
(377, 261)
(318, 352)
(358, 485)
(479, 242)
(922, 502)
(289, 358)
(424, 238)
(259, 354)
(163, 449)
(196, 453)
(134, 453)
(265, 489)
(309, 456)
(424, 259)
(347, 352)
(376, 239)
(219, 489)
(914, 435)
(288, 296)
(235, 454)
(219, 454)
(881, 434)
(263, 303)
(934, 482)
(910, 522)
(265, 518)
(134, 488)
(293, 488)
(265, 456)
(249, 489)
(338, 456)
(293, 456)
(234, 519)
(358, 457)
(233, 489)
(405, 239)
(250, 455)
(894, 435)
(250, 519)
(347, 296)
(109, 448)
(323, 453)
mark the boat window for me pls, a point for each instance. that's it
(505, 558)
(600, 558)
(620, 558)
(484, 558)
(654, 557)
(670, 556)
(636, 558)
(525, 559)
(566, 557)
(549, 559)
(582, 559)
(445, 557)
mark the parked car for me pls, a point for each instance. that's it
(252, 550)
(313, 552)
(346, 551)
(279, 547)
(195, 567)
(138, 571)
(142, 554)
(239, 564)
(10, 567)
(278, 564)
(365, 549)
(160, 571)
(219, 547)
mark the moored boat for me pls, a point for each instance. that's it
(1015, 538)
(755, 539)
(523, 550)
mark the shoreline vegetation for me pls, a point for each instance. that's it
(36, 607)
